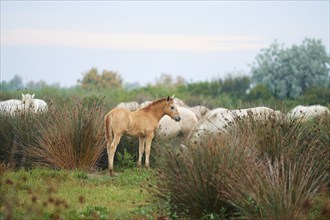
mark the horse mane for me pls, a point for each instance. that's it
(154, 103)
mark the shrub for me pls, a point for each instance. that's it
(72, 137)
(271, 169)
(17, 132)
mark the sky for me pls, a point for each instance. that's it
(59, 41)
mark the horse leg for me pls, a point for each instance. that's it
(111, 152)
(148, 147)
(141, 150)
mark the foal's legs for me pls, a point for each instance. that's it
(111, 149)
(141, 150)
(148, 147)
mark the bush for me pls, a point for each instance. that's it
(17, 132)
(270, 169)
(316, 95)
(72, 137)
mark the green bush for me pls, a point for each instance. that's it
(316, 95)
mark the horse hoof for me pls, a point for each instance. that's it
(113, 174)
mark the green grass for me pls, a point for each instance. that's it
(42, 193)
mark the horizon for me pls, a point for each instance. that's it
(57, 42)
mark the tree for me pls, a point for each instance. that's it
(15, 83)
(236, 86)
(167, 80)
(259, 92)
(288, 73)
(108, 79)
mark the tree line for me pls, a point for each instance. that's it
(297, 73)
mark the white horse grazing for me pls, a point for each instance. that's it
(130, 106)
(220, 120)
(11, 106)
(37, 105)
(179, 102)
(167, 128)
(306, 112)
(199, 111)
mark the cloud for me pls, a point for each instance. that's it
(129, 41)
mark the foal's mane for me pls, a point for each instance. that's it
(155, 103)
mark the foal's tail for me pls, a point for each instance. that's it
(108, 128)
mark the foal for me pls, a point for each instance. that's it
(141, 123)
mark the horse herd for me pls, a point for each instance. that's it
(28, 103)
(167, 118)
(195, 124)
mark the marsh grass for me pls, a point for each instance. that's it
(262, 169)
(17, 132)
(70, 136)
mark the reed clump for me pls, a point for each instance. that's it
(262, 169)
(71, 138)
(68, 136)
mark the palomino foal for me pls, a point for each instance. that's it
(141, 123)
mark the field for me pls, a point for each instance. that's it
(43, 193)
(53, 166)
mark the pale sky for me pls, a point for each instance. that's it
(58, 41)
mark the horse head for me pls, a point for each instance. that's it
(171, 110)
(27, 100)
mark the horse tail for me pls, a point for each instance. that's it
(108, 128)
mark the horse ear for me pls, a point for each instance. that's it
(33, 95)
(168, 99)
(173, 96)
(23, 95)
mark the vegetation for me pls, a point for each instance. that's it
(42, 193)
(261, 170)
(53, 165)
(288, 73)
(108, 79)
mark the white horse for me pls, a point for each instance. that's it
(130, 106)
(11, 106)
(221, 120)
(306, 112)
(167, 128)
(199, 111)
(37, 105)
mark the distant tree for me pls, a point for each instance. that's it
(236, 86)
(288, 73)
(36, 85)
(167, 80)
(180, 81)
(132, 86)
(108, 79)
(200, 89)
(164, 79)
(15, 83)
(316, 95)
(259, 92)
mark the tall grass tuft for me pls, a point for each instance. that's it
(71, 137)
(262, 169)
(16, 132)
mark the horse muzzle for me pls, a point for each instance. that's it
(177, 118)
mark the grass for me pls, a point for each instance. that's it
(272, 169)
(43, 193)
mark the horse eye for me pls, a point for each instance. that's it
(172, 107)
